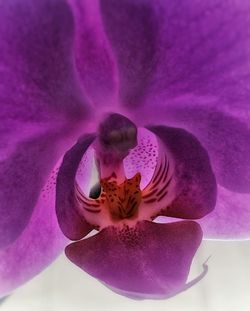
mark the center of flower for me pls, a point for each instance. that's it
(117, 135)
(133, 180)
(122, 201)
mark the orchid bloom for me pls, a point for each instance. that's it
(154, 96)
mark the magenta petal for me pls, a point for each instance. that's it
(170, 49)
(23, 174)
(195, 185)
(73, 225)
(224, 136)
(148, 261)
(41, 103)
(132, 30)
(230, 220)
(226, 139)
(39, 244)
(94, 58)
(37, 68)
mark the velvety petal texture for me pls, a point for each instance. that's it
(41, 103)
(230, 220)
(177, 48)
(147, 261)
(37, 246)
(194, 192)
(131, 28)
(224, 136)
(72, 224)
(94, 57)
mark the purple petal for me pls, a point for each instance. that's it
(168, 49)
(41, 103)
(23, 175)
(131, 28)
(37, 69)
(192, 185)
(226, 139)
(230, 220)
(38, 245)
(224, 136)
(94, 60)
(73, 225)
(147, 261)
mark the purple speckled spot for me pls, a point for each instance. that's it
(143, 157)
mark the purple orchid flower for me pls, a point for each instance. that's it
(155, 94)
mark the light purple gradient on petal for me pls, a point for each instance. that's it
(38, 245)
(230, 220)
(85, 171)
(143, 157)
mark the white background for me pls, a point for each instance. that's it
(64, 287)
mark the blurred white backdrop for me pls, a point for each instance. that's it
(64, 287)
